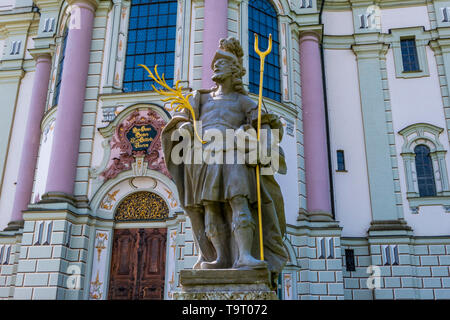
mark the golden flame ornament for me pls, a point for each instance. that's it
(178, 102)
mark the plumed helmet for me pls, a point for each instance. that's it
(231, 49)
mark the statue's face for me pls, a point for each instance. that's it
(222, 70)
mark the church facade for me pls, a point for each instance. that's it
(89, 211)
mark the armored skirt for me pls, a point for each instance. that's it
(218, 182)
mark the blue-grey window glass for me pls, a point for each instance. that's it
(262, 20)
(409, 55)
(350, 259)
(424, 169)
(340, 160)
(60, 70)
(151, 41)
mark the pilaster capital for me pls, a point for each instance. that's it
(310, 33)
(440, 46)
(88, 4)
(370, 50)
(408, 155)
(41, 54)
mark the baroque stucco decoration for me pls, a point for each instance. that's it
(122, 153)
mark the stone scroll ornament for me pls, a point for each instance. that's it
(137, 136)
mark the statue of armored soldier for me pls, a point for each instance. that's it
(221, 198)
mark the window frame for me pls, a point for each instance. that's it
(340, 151)
(428, 135)
(428, 161)
(171, 80)
(421, 42)
(60, 67)
(266, 86)
(415, 55)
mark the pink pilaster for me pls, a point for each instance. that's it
(66, 141)
(314, 125)
(215, 27)
(31, 147)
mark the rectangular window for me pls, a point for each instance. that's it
(340, 160)
(445, 14)
(151, 41)
(350, 259)
(60, 70)
(409, 55)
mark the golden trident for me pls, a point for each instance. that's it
(262, 56)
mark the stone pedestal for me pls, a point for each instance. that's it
(225, 284)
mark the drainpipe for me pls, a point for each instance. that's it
(330, 164)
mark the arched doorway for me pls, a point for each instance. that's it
(139, 254)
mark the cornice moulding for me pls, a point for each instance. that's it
(16, 23)
(41, 4)
(340, 5)
(12, 74)
(338, 42)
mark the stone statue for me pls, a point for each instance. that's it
(221, 199)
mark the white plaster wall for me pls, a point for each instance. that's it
(7, 4)
(107, 49)
(97, 150)
(351, 189)
(30, 45)
(15, 149)
(43, 163)
(337, 23)
(404, 17)
(2, 48)
(418, 100)
(288, 182)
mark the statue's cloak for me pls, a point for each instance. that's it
(272, 204)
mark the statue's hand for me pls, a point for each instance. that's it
(252, 147)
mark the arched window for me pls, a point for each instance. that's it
(142, 205)
(424, 169)
(262, 20)
(60, 66)
(151, 41)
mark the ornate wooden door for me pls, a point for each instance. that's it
(138, 264)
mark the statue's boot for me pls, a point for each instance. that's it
(244, 239)
(219, 241)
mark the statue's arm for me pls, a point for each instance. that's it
(268, 121)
